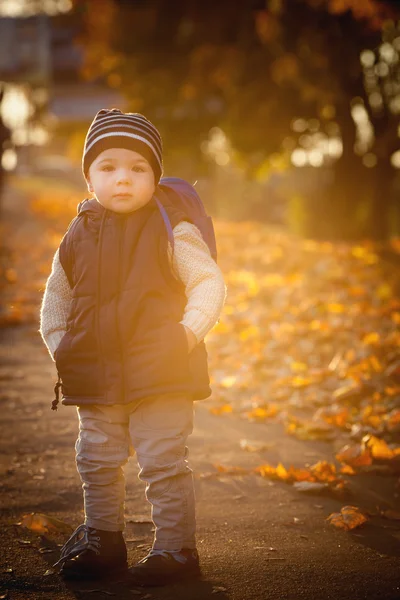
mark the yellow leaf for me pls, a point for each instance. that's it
(261, 413)
(371, 338)
(249, 332)
(298, 367)
(281, 471)
(324, 471)
(378, 447)
(376, 364)
(221, 410)
(365, 254)
(299, 381)
(266, 470)
(228, 382)
(347, 470)
(384, 291)
(336, 308)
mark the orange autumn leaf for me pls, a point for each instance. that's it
(324, 471)
(300, 474)
(393, 420)
(221, 410)
(334, 415)
(349, 518)
(347, 470)
(376, 364)
(354, 455)
(266, 470)
(40, 523)
(278, 472)
(378, 447)
(308, 430)
(371, 338)
(260, 413)
(299, 381)
(230, 470)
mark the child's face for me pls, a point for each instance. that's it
(121, 179)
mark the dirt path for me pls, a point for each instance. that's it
(257, 538)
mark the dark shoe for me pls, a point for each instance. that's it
(160, 567)
(93, 554)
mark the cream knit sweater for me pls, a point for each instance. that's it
(192, 263)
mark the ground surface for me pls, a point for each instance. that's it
(258, 539)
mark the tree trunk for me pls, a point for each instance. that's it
(348, 181)
(379, 228)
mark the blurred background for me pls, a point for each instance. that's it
(283, 111)
(286, 114)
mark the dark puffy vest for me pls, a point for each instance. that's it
(124, 341)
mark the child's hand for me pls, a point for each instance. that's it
(191, 338)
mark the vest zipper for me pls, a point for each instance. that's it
(121, 246)
(101, 355)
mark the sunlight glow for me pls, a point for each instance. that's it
(370, 160)
(16, 108)
(24, 8)
(367, 58)
(299, 157)
(299, 125)
(395, 159)
(388, 53)
(9, 159)
(316, 158)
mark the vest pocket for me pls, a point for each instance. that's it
(159, 361)
(79, 369)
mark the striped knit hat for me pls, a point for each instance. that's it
(115, 129)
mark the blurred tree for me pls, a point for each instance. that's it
(250, 68)
(5, 136)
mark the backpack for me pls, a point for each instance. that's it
(182, 195)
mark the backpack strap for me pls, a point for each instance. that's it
(167, 223)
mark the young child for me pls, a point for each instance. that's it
(124, 316)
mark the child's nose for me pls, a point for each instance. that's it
(123, 176)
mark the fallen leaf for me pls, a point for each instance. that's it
(354, 455)
(97, 591)
(46, 550)
(391, 514)
(44, 524)
(254, 446)
(221, 410)
(349, 518)
(310, 487)
(24, 542)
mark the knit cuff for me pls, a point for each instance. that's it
(53, 340)
(198, 322)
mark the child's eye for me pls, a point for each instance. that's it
(138, 169)
(107, 168)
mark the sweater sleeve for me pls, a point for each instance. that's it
(205, 288)
(55, 306)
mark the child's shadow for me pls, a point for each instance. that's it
(195, 589)
(121, 588)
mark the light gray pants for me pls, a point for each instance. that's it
(156, 428)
